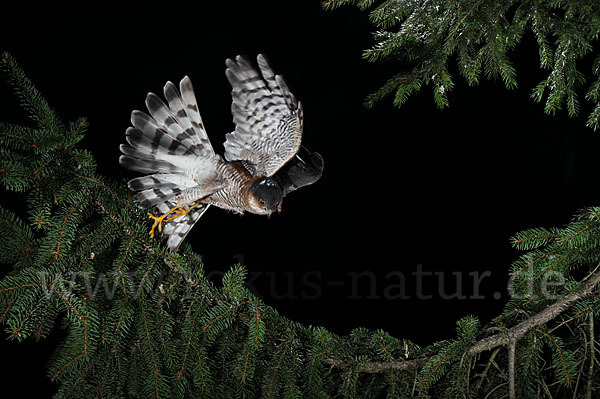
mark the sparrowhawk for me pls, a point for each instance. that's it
(263, 159)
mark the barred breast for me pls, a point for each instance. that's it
(234, 197)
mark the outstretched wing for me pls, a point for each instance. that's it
(170, 144)
(267, 118)
(303, 169)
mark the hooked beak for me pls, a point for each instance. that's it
(270, 211)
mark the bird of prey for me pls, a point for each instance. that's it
(263, 160)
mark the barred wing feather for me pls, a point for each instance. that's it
(267, 117)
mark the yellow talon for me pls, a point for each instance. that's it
(158, 220)
(178, 212)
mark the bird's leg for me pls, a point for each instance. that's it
(158, 220)
(181, 211)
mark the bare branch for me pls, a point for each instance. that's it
(512, 346)
(588, 391)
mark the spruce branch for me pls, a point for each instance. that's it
(484, 374)
(501, 339)
(592, 343)
(30, 97)
(424, 37)
(512, 348)
(549, 313)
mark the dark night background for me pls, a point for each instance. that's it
(401, 187)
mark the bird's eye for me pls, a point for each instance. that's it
(261, 202)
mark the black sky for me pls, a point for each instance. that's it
(401, 188)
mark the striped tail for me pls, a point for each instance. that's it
(168, 144)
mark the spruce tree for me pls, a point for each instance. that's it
(143, 322)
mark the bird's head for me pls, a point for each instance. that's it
(266, 196)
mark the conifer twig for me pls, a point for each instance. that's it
(486, 370)
(379, 367)
(588, 391)
(512, 346)
(491, 342)
(551, 312)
